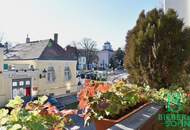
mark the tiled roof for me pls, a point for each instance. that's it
(32, 50)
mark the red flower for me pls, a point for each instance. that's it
(188, 94)
(83, 103)
(103, 88)
(87, 82)
(91, 91)
(83, 98)
(82, 94)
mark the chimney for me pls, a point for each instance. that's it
(27, 39)
(55, 38)
(6, 47)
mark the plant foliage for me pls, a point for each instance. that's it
(101, 100)
(35, 115)
(105, 101)
(158, 50)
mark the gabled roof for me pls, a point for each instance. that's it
(56, 52)
(41, 50)
(32, 50)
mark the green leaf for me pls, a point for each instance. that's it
(15, 127)
(16, 102)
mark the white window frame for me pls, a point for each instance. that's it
(67, 73)
(14, 84)
(51, 77)
(28, 82)
(21, 83)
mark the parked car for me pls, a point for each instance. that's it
(91, 75)
(82, 75)
(102, 75)
(53, 101)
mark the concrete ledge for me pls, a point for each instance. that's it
(145, 119)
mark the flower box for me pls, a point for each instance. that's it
(107, 123)
(108, 104)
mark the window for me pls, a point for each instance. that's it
(14, 84)
(28, 82)
(21, 83)
(67, 73)
(6, 66)
(51, 74)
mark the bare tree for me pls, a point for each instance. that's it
(89, 47)
(76, 51)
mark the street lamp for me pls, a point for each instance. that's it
(43, 75)
(68, 87)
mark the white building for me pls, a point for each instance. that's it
(181, 6)
(105, 55)
(36, 67)
(82, 62)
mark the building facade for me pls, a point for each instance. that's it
(105, 55)
(82, 63)
(79, 54)
(36, 68)
(2, 89)
(181, 6)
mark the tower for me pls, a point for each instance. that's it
(181, 6)
(27, 39)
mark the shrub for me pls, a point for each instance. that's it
(158, 50)
(34, 116)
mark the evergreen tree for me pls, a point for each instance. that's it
(158, 49)
(117, 59)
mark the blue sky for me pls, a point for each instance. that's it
(100, 20)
